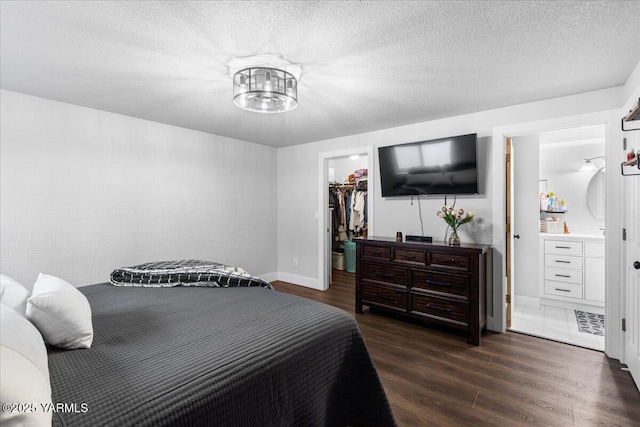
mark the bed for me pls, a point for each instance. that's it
(236, 356)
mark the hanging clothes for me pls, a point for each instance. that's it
(334, 202)
(339, 200)
(358, 211)
(349, 202)
(347, 211)
(343, 216)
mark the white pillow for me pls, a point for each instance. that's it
(61, 313)
(24, 372)
(13, 294)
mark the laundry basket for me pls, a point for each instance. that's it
(337, 260)
(350, 256)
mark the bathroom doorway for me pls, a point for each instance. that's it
(558, 237)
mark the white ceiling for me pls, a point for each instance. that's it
(365, 65)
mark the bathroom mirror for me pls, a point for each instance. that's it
(596, 195)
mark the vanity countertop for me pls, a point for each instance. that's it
(574, 236)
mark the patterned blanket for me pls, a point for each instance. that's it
(184, 273)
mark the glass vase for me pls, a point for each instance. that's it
(454, 239)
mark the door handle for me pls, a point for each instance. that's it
(636, 265)
(516, 236)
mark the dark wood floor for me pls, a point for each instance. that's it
(434, 378)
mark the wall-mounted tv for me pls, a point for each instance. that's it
(438, 166)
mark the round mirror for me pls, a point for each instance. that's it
(596, 195)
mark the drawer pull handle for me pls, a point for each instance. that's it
(385, 275)
(433, 282)
(433, 307)
(384, 297)
(563, 262)
(563, 247)
(563, 290)
(409, 257)
(563, 275)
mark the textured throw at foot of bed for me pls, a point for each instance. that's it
(188, 272)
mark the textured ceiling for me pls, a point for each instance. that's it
(365, 65)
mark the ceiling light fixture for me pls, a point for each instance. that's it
(265, 90)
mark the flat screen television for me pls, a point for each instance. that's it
(438, 166)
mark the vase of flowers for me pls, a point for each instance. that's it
(454, 219)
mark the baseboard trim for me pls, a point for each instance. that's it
(300, 280)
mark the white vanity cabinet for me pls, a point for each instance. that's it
(572, 271)
(594, 272)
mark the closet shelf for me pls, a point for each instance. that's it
(350, 186)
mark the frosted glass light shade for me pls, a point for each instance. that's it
(588, 167)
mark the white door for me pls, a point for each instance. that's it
(631, 294)
(525, 156)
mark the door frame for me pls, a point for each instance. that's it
(508, 178)
(613, 222)
(323, 202)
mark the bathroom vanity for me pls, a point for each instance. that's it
(572, 271)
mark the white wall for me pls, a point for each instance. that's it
(298, 172)
(85, 191)
(631, 90)
(298, 230)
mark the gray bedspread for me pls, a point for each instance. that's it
(216, 357)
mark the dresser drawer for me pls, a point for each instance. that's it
(441, 282)
(444, 309)
(385, 273)
(563, 261)
(562, 247)
(410, 255)
(387, 296)
(563, 275)
(376, 252)
(568, 290)
(448, 260)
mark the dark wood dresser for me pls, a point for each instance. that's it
(433, 282)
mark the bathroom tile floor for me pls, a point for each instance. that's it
(554, 323)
